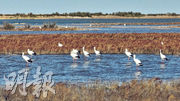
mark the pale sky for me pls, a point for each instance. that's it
(104, 6)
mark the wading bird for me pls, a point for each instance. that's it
(86, 54)
(162, 43)
(128, 53)
(163, 57)
(75, 54)
(30, 52)
(26, 58)
(97, 52)
(76, 51)
(137, 61)
(60, 44)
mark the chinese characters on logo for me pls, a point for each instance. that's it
(43, 83)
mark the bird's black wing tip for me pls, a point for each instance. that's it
(34, 54)
(30, 61)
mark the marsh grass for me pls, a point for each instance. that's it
(145, 43)
(144, 90)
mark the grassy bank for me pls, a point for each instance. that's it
(147, 90)
(149, 43)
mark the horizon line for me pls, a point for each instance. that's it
(91, 12)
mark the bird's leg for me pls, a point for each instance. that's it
(162, 62)
(26, 64)
(128, 58)
(136, 67)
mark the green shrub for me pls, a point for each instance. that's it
(50, 25)
(27, 26)
(8, 26)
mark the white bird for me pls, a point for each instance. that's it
(128, 53)
(162, 43)
(76, 51)
(163, 57)
(86, 54)
(60, 44)
(137, 61)
(30, 52)
(97, 52)
(75, 54)
(26, 58)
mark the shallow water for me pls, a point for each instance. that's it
(85, 24)
(100, 30)
(108, 67)
(78, 21)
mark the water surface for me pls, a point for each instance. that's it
(87, 25)
(109, 67)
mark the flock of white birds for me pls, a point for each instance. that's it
(75, 54)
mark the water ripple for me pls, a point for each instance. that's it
(109, 67)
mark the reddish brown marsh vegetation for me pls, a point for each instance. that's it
(148, 90)
(106, 43)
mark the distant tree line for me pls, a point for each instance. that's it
(88, 14)
(167, 14)
(128, 14)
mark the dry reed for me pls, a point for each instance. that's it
(148, 43)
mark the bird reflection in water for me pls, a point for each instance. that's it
(128, 64)
(74, 65)
(138, 73)
(162, 65)
(86, 63)
(98, 59)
